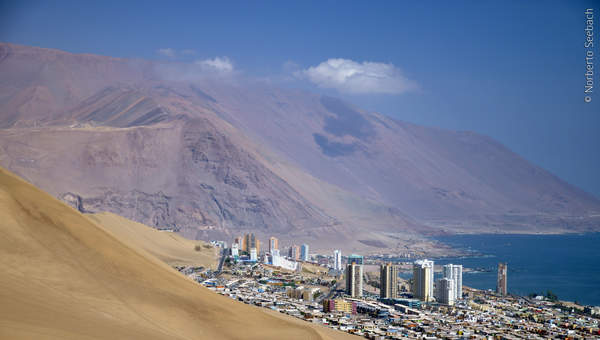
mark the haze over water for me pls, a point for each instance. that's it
(565, 264)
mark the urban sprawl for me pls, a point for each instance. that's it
(338, 292)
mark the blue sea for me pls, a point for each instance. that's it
(567, 265)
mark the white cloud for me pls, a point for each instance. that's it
(350, 76)
(167, 52)
(216, 68)
(217, 64)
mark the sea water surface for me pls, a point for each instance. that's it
(567, 265)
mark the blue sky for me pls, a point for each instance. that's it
(511, 70)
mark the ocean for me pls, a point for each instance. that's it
(567, 265)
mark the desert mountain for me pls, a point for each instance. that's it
(66, 277)
(169, 146)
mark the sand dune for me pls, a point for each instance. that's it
(168, 247)
(65, 277)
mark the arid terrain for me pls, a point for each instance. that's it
(66, 277)
(167, 246)
(168, 146)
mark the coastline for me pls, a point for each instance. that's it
(536, 262)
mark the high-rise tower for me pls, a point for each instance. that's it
(304, 252)
(294, 252)
(389, 281)
(250, 241)
(454, 273)
(273, 244)
(444, 291)
(354, 274)
(337, 260)
(502, 277)
(422, 286)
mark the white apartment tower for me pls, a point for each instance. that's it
(304, 252)
(337, 259)
(444, 291)
(454, 272)
(422, 286)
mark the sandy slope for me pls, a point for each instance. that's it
(168, 247)
(64, 277)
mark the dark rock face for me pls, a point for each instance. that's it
(73, 200)
(346, 120)
(186, 176)
(235, 189)
(334, 149)
(151, 209)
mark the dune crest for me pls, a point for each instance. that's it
(64, 277)
(169, 247)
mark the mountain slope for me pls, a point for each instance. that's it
(460, 180)
(37, 83)
(64, 277)
(167, 146)
(187, 176)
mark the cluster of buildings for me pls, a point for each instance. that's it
(440, 308)
(248, 248)
(393, 315)
(447, 290)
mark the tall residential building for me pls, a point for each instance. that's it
(337, 260)
(244, 243)
(422, 286)
(389, 281)
(250, 241)
(235, 250)
(454, 272)
(273, 244)
(240, 242)
(304, 252)
(294, 252)
(253, 254)
(502, 276)
(444, 291)
(354, 284)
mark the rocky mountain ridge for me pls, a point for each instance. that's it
(213, 158)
